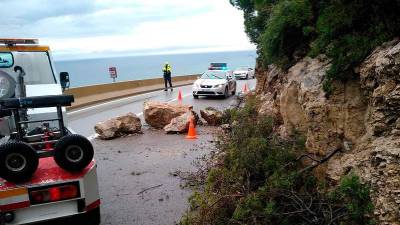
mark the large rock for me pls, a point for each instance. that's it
(119, 126)
(212, 116)
(180, 124)
(158, 115)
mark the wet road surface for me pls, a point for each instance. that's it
(128, 166)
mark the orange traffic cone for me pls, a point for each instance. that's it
(180, 95)
(192, 130)
(245, 89)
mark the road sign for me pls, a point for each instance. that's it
(113, 72)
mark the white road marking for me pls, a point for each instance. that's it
(91, 137)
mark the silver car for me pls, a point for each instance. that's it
(215, 83)
(244, 73)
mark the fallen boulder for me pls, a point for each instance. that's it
(180, 124)
(212, 116)
(158, 115)
(119, 126)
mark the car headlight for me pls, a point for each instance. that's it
(218, 86)
(195, 85)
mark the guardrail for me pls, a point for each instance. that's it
(88, 95)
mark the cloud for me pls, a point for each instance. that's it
(91, 27)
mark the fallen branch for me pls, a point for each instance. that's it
(319, 162)
(147, 189)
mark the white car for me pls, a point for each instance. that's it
(215, 83)
(244, 73)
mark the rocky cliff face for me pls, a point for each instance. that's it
(360, 117)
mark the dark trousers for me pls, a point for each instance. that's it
(167, 79)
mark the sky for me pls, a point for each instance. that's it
(102, 28)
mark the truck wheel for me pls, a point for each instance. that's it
(93, 217)
(73, 152)
(18, 161)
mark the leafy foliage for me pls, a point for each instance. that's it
(262, 181)
(345, 30)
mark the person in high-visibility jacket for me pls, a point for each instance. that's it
(167, 76)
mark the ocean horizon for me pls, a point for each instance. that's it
(85, 72)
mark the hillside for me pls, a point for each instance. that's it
(319, 142)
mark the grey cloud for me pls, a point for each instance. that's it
(35, 10)
(79, 18)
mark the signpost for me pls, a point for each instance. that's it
(113, 72)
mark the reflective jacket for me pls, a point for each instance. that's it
(167, 68)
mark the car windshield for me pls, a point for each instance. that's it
(214, 75)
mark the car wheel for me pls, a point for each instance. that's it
(195, 96)
(247, 76)
(73, 152)
(18, 161)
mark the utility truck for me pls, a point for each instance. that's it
(47, 172)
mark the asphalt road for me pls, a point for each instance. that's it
(136, 185)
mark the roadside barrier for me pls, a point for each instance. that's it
(90, 95)
(192, 130)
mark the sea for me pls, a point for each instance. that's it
(85, 72)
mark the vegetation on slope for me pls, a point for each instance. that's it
(260, 179)
(344, 30)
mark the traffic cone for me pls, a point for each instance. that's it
(180, 95)
(245, 89)
(192, 130)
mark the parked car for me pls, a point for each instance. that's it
(244, 73)
(215, 83)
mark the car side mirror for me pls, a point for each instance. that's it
(64, 80)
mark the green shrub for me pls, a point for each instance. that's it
(261, 181)
(344, 30)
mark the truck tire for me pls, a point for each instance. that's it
(93, 217)
(18, 161)
(73, 152)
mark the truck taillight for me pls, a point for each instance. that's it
(54, 193)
